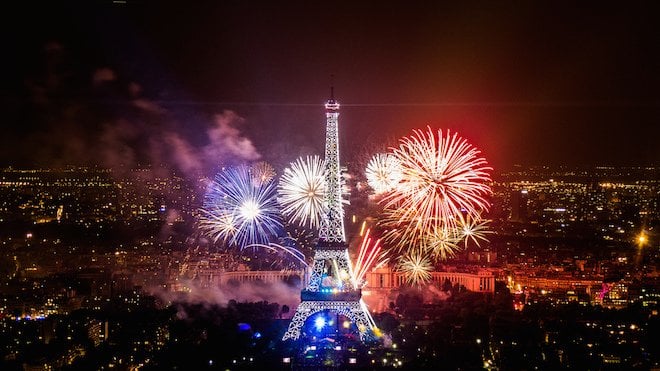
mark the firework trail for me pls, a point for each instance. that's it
(302, 191)
(238, 211)
(383, 173)
(288, 250)
(368, 254)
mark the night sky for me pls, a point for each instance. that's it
(195, 86)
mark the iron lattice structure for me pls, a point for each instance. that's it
(331, 285)
(356, 311)
(332, 226)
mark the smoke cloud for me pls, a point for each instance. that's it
(277, 292)
(150, 136)
(76, 115)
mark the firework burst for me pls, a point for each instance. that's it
(383, 173)
(217, 223)
(416, 267)
(474, 229)
(442, 177)
(442, 243)
(262, 173)
(302, 191)
(443, 181)
(238, 211)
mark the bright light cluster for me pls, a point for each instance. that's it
(417, 268)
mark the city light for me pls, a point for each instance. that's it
(642, 239)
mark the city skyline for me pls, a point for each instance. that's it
(90, 254)
(144, 82)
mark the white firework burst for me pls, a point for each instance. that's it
(442, 242)
(383, 173)
(302, 191)
(474, 229)
(443, 177)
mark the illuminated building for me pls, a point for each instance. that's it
(97, 331)
(383, 283)
(224, 278)
(331, 287)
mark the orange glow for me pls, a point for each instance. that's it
(641, 239)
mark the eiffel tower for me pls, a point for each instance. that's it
(331, 284)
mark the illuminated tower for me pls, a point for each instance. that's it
(331, 286)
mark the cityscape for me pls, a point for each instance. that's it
(329, 187)
(97, 272)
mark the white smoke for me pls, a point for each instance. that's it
(154, 137)
(226, 141)
(277, 292)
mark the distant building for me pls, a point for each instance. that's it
(97, 332)
(518, 206)
(382, 284)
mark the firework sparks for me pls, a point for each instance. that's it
(287, 250)
(301, 237)
(442, 242)
(218, 223)
(474, 229)
(262, 173)
(368, 254)
(301, 191)
(443, 179)
(416, 267)
(383, 173)
(238, 211)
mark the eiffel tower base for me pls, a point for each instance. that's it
(356, 311)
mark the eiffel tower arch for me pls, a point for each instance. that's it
(331, 284)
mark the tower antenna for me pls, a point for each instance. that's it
(332, 87)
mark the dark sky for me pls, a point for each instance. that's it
(558, 83)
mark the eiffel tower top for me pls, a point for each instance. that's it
(331, 232)
(331, 104)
